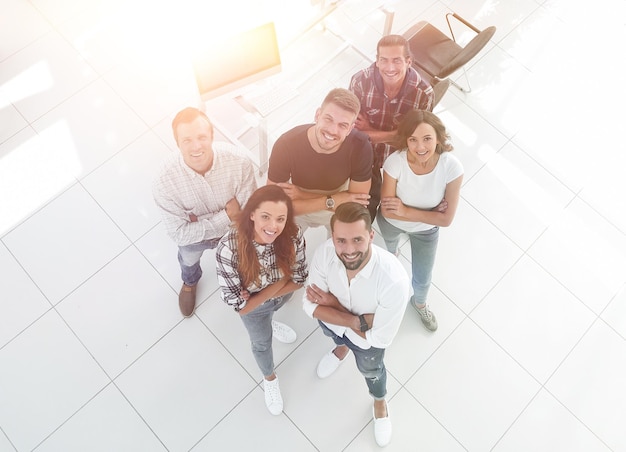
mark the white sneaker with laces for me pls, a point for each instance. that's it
(273, 399)
(329, 364)
(283, 333)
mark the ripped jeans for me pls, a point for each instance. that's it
(369, 362)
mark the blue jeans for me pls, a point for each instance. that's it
(259, 326)
(423, 250)
(369, 362)
(189, 259)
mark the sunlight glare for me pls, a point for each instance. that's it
(530, 193)
(33, 173)
(34, 80)
(172, 33)
(168, 38)
(462, 130)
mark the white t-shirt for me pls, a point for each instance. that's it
(423, 191)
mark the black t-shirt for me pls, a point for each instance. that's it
(294, 158)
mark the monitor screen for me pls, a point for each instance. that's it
(237, 61)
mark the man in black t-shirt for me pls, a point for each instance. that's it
(325, 164)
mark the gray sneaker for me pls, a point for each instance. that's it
(428, 318)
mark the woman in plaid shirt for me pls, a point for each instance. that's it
(260, 263)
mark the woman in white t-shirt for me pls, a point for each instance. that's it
(420, 193)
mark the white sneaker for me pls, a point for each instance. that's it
(329, 364)
(382, 429)
(283, 333)
(273, 399)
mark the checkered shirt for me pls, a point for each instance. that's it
(384, 113)
(228, 276)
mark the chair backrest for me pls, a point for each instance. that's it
(439, 86)
(438, 55)
(431, 49)
(467, 53)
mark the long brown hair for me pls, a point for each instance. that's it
(249, 266)
(414, 118)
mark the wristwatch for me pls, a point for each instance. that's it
(330, 202)
(364, 326)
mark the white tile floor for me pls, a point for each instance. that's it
(529, 286)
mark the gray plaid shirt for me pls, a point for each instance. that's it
(179, 191)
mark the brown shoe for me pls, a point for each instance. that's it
(187, 300)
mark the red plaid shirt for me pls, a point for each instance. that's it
(384, 113)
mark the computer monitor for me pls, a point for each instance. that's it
(237, 61)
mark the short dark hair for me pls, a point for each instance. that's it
(351, 212)
(394, 41)
(344, 99)
(187, 115)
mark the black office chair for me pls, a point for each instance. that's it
(438, 56)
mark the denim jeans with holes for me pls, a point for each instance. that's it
(369, 362)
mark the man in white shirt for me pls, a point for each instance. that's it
(358, 292)
(199, 191)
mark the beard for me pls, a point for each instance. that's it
(322, 141)
(354, 264)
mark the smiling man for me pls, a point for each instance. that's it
(200, 191)
(323, 165)
(388, 89)
(358, 292)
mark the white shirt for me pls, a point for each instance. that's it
(179, 191)
(423, 191)
(382, 287)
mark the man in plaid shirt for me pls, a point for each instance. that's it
(387, 90)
